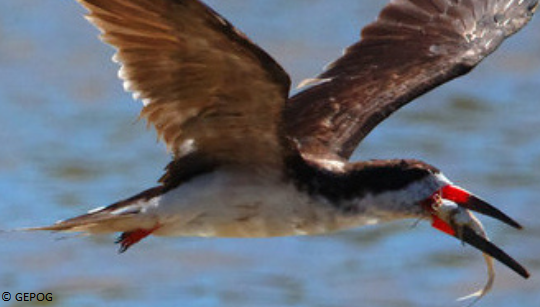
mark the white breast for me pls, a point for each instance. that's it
(239, 203)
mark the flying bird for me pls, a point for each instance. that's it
(250, 161)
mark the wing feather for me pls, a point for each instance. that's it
(204, 85)
(413, 46)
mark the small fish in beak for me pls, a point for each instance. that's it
(449, 210)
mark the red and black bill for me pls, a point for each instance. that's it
(468, 235)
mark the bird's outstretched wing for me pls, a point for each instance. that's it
(205, 87)
(413, 46)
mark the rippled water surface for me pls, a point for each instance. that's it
(70, 142)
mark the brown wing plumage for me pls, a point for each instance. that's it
(414, 46)
(205, 86)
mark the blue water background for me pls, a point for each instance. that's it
(70, 142)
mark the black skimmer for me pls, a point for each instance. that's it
(250, 161)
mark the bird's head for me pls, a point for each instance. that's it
(411, 188)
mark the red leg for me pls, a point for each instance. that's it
(127, 239)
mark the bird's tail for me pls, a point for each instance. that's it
(124, 216)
